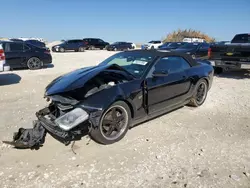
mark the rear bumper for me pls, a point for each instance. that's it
(47, 59)
(230, 64)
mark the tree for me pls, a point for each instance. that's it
(179, 35)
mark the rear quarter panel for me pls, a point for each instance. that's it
(202, 70)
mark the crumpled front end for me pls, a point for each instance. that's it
(74, 109)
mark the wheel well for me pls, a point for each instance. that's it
(130, 107)
(32, 57)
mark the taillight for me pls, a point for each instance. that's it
(2, 55)
(85, 42)
(47, 52)
(209, 52)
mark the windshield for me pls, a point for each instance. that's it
(189, 46)
(135, 63)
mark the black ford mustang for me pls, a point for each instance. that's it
(125, 89)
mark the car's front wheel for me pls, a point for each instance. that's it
(113, 125)
(200, 93)
(61, 49)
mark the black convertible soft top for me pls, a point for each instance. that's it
(160, 54)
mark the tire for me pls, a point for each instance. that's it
(81, 49)
(61, 50)
(34, 63)
(196, 101)
(152, 47)
(102, 134)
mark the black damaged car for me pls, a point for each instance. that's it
(125, 89)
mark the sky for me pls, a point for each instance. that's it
(122, 20)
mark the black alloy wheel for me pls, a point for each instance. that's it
(113, 125)
(200, 93)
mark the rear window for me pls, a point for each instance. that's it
(241, 38)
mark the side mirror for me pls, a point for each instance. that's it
(160, 73)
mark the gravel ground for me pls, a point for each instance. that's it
(191, 147)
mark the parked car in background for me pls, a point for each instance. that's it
(76, 45)
(30, 41)
(22, 55)
(154, 44)
(171, 45)
(196, 50)
(92, 43)
(119, 46)
(235, 55)
(133, 45)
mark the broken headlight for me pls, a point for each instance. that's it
(72, 119)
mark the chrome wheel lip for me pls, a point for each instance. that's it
(201, 93)
(125, 124)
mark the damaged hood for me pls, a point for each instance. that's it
(76, 79)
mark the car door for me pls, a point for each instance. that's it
(14, 54)
(202, 50)
(71, 45)
(169, 89)
(101, 43)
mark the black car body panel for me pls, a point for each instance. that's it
(235, 55)
(95, 43)
(119, 46)
(69, 45)
(18, 53)
(196, 50)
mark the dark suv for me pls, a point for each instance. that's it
(93, 43)
(77, 45)
(22, 54)
(119, 46)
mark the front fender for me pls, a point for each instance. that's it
(96, 104)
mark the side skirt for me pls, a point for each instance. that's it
(136, 122)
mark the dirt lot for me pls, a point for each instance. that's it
(191, 147)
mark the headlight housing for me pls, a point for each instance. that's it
(72, 119)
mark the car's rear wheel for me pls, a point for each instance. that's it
(152, 47)
(113, 125)
(61, 49)
(200, 93)
(34, 63)
(81, 49)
